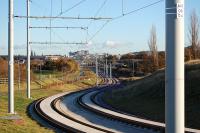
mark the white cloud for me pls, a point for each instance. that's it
(111, 44)
(90, 43)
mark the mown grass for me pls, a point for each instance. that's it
(26, 124)
(146, 97)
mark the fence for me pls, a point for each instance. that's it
(3, 80)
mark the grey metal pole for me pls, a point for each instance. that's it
(11, 58)
(62, 73)
(28, 78)
(133, 67)
(110, 70)
(97, 72)
(174, 102)
(40, 72)
(106, 67)
(19, 75)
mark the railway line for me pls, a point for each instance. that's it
(81, 111)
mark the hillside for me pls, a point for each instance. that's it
(145, 97)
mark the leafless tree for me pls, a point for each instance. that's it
(194, 35)
(153, 46)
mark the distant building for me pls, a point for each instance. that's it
(79, 55)
(38, 58)
(52, 57)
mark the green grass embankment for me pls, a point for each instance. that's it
(146, 97)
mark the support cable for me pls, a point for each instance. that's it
(125, 14)
(55, 34)
(122, 7)
(101, 28)
(98, 11)
(61, 6)
(43, 9)
(67, 10)
(138, 9)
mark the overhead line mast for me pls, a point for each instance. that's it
(11, 58)
(28, 63)
(174, 80)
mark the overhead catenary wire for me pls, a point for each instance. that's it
(33, 2)
(138, 9)
(123, 7)
(58, 27)
(61, 6)
(101, 28)
(50, 27)
(67, 10)
(102, 5)
(61, 13)
(55, 34)
(125, 14)
(58, 43)
(63, 41)
(93, 18)
(98, 11)
(57, 17)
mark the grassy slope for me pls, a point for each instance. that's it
(145, 97)
(26, 124)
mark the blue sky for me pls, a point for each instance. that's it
(127, 34)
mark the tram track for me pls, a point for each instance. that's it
(80, 112)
